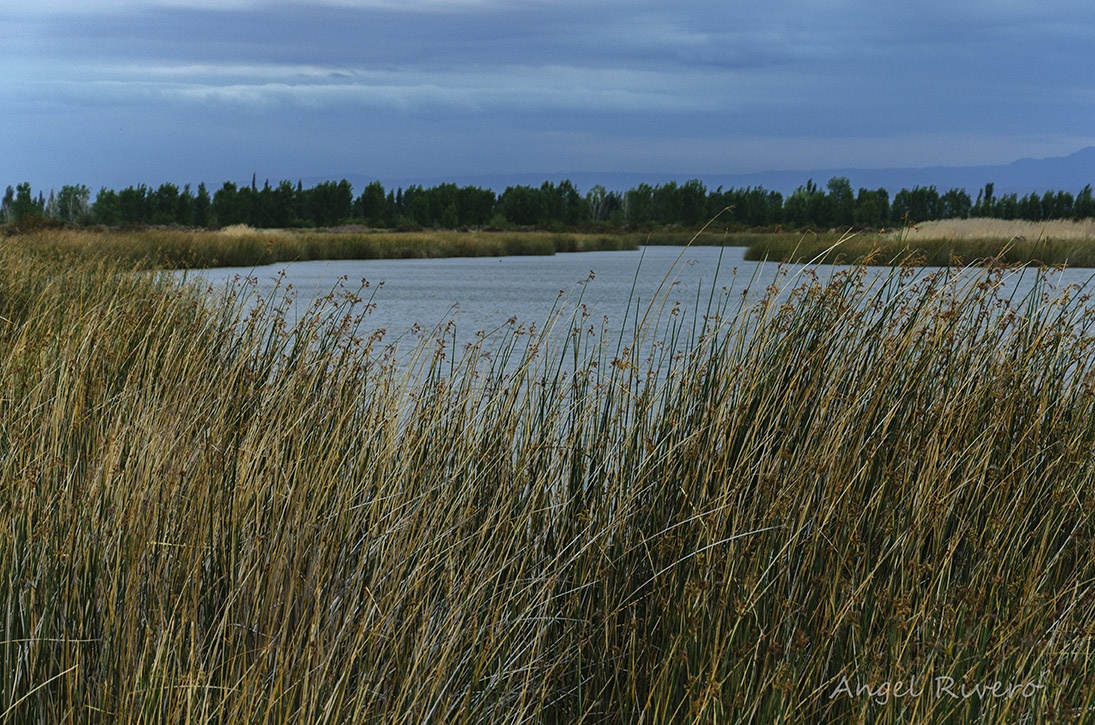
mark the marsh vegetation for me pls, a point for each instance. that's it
(243, 246)
(953, 242)
(950, 242)
(214, 516)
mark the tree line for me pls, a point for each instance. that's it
(551, 205)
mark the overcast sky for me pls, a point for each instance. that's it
(145, 91)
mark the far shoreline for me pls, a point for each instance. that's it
(954, 242)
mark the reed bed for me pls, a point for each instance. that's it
(1072, 230)
(211, 516)
(242, 246)
(951, 242)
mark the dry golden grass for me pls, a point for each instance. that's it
(999, 229)
(243, 246)
(244, 230)
(955, 242)
(210, 517)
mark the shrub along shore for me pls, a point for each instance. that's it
(819, 510)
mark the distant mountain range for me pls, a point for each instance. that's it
(1068, 173)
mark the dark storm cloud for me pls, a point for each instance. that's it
(546, 84)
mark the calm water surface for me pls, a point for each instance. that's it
(483, 293)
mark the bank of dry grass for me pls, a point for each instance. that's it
(953, 242)
(242, 246)
(1065, 230)
(216, 519)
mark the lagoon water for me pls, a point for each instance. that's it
(483, 293)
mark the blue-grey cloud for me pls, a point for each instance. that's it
(128, 89)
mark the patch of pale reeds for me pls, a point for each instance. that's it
(747, 517)
(1082, 230)
(245, 230)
